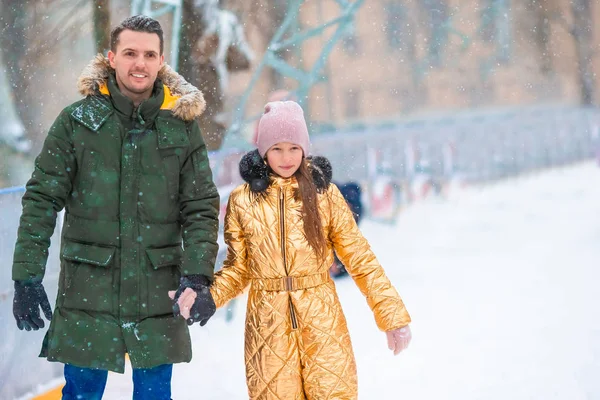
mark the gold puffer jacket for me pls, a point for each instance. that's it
(297, 344)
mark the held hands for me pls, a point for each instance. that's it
(193, 300)
(29, 297)
(398, 339)
(185, 301)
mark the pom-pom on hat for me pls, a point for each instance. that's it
(282, 121)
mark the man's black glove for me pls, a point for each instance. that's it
(204, 306)
(29, 297)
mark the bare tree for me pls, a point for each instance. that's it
(13, 40)
(542, 32)
(12, 132)
(578, 22)
(198, 46)
(27, 39)
(266, 16)
(190, 32)
(583, 35)
(101, 16)
(200, 73)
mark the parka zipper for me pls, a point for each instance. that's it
(282, 229)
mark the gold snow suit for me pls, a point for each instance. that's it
(297, 344)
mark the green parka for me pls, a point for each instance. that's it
(141, 209)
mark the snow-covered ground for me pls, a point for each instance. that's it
(502, 285)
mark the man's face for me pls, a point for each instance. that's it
(136, 61)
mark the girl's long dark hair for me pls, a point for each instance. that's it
(307, 192)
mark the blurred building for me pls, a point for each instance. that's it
(401, 57)
(419, 56)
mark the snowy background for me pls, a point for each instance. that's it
(499, 278)
(501, 282)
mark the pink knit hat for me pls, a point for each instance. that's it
(282, 121)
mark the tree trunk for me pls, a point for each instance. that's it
(12, 132)
(190, 32)
(202, 75)
(276, 12)
(14, 43)
(582, 34)
(102, 25)
(542, 34)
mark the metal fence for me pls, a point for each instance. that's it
(474, 147)
(480, 146)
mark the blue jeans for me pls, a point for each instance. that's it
(88, 384)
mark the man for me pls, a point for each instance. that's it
(130, 168)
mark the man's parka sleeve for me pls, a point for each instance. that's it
(199, 209)
(45, 196)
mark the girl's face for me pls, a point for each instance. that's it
(284, 158)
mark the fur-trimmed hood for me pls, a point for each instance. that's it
(254, 170)
(183, 99)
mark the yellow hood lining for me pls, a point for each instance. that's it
(168, 102)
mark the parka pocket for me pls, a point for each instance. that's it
(162, 275)
(88, 278)
(172, 134)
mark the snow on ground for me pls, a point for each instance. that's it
(501, 283)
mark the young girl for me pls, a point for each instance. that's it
(281, 228)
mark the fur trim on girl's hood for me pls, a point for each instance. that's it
(189, 103)
(255, 172)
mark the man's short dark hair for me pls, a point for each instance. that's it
(137, 23)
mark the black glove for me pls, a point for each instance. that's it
(29, 297)
(204, 306)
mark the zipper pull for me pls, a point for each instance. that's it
(280, 194)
